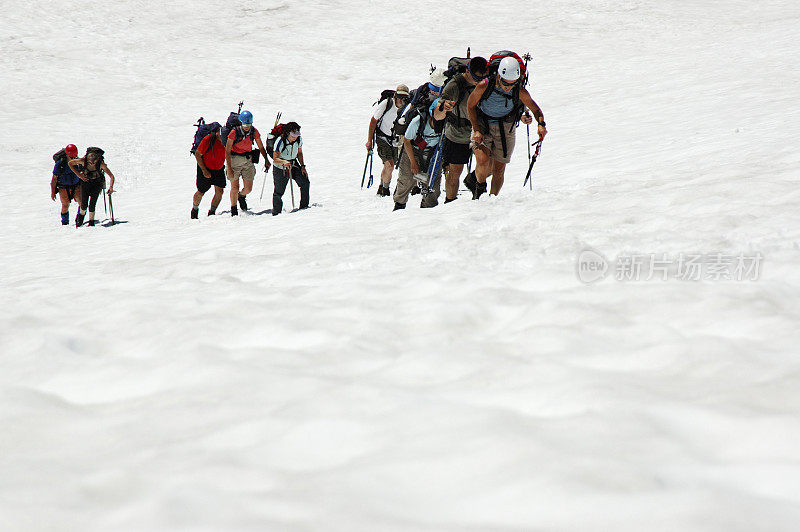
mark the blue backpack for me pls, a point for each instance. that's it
(203, 130)
(64, 174)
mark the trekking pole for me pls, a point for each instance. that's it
(291, 186)
(277, 119)
(367, 161)
(111, 206)
(263, 184)
(104, 199)
(538, 145)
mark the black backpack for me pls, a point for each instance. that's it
(457, 65)
(93, 163)
(387, 94)
(233, 124)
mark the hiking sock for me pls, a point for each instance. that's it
(65, 218)
(399, 206)
(242, 202)
(193, 214)
(480, 188)
(470, 181)
(234, 210)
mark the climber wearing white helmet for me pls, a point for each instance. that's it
(495, 107)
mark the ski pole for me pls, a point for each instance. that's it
(538, 145)
(366, 162)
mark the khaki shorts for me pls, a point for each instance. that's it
(386, 151)
(494, 143)
(242, 166)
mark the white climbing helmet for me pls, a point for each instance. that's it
(509, 69)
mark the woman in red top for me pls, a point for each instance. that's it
(238, 156)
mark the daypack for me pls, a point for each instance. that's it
(277, 132)
(202, 132)
(92, 163)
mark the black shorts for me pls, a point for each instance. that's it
(455, 153)
(69, 188)
(217, 179)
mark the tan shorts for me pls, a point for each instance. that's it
(494, 143)
(243, 167)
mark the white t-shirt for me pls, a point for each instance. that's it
(385, 125)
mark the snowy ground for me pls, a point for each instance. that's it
(351, 369)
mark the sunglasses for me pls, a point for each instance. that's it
(507, 83)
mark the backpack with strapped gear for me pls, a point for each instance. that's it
(278, 132)
(233, 124)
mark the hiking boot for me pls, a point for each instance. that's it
(91, 223)
(212, 211)
(416, 190)
(79, 219)
(193, 214)
(399, 206)
(480, 188)
(448, 200)
(65, 218)
(380, 190)
(242, 202)
(470, 181)
(234, 210)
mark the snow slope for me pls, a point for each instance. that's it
(348, 368)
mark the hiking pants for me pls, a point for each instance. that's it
(280, 180)
(406, 181)
(90, 192)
